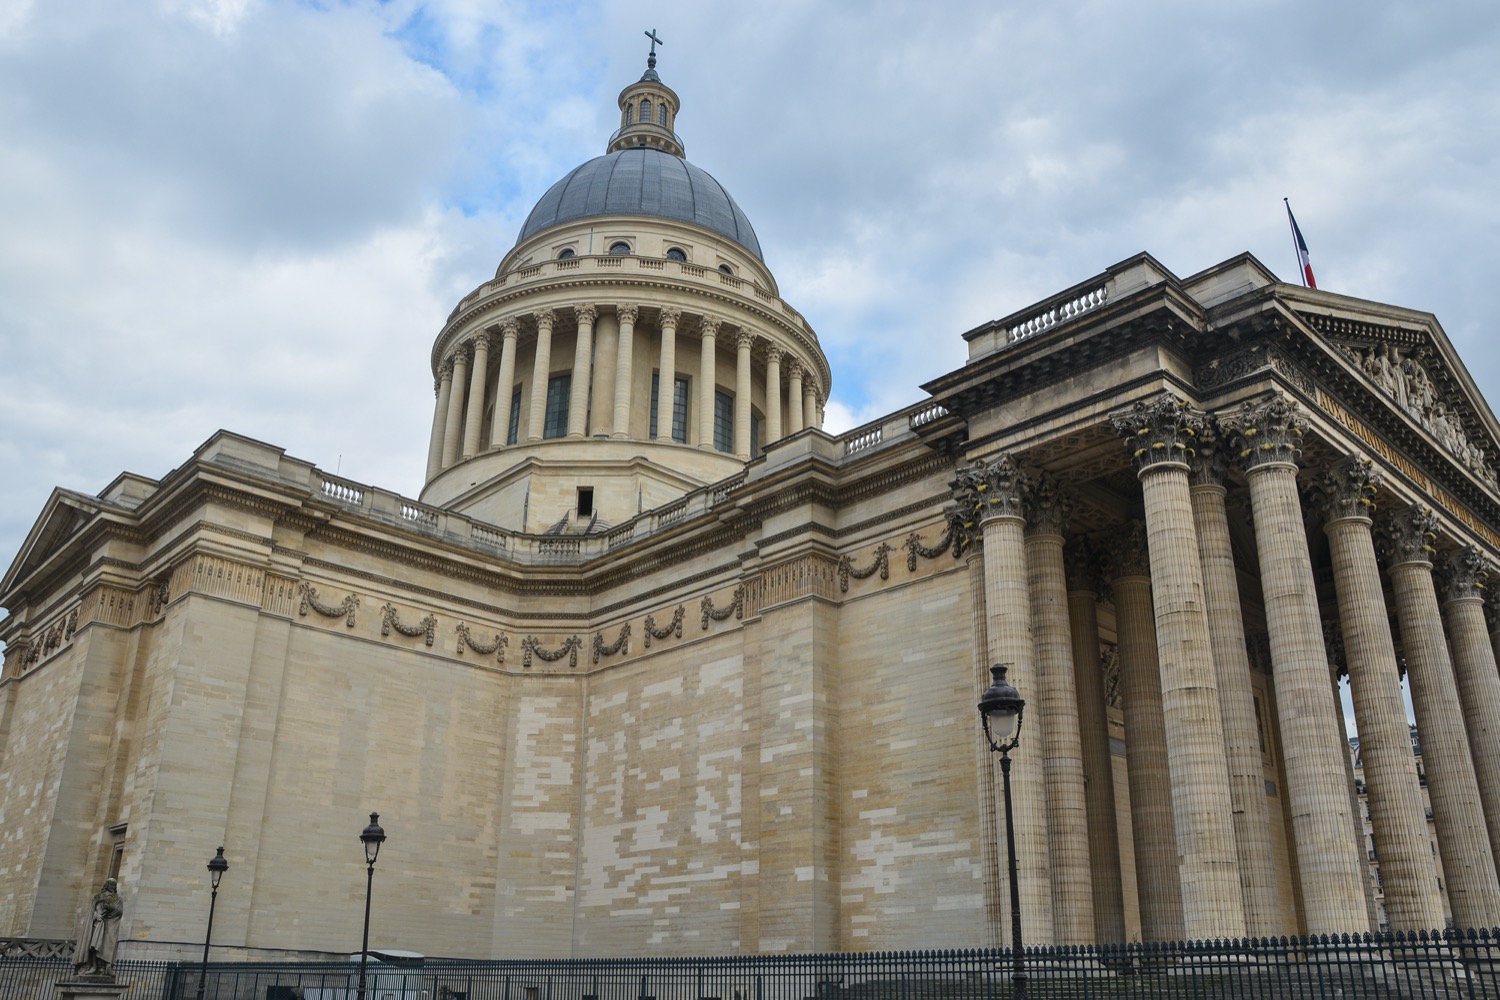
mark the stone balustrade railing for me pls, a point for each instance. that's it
(1052, 312)
(890, 429)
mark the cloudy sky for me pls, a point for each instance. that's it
(256, 215)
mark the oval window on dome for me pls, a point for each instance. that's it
(676, 253)
(565, 253)
(620, 249)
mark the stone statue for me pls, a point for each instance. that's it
(99, 934)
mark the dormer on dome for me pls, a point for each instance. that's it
(648, 112)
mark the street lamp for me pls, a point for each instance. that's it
(1000, 707)
(217, 866)
(372, 837)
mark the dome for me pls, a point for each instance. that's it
(642, 181)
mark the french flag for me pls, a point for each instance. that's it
(1301, 245)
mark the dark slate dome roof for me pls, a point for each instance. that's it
(642, 181)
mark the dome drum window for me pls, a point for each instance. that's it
(726, 269)
(676, 253)
(566, 253)
(619, 249)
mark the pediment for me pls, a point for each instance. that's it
(63, 515)
(1414, 367)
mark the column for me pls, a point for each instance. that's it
(809, 402)
(773, 395)
(443, 387)
(1331, 865)
(1392, 791)
(1464, 574)
(504, 383)
(541, 369)
(1226, 629)
(583, 357)
(624, 368)
(666, 373)
(1452, 788)
(742, 344)
(1093, 731)
(474, 419)
(1048, 504)
(708, 329)
(1162, 434)
(989, 494)
(1152, 825)
(1492, 620)
(453, 430)
(793, 397)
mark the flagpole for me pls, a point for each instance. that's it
(1296, 247)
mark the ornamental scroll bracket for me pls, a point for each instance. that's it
(390, 618)
(622, 642)
(882, 565)
(736, 607)
(531, 646)
(466, 638)
(344, 609)
(672, 627)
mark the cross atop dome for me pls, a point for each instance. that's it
(648, 111)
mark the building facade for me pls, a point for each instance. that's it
(654, 663)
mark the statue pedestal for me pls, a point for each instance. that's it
(90, 988)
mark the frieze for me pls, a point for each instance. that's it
(808, 575)
(531, 647)
(621, 643)
(466, 639)
(881, 565)
(279, 595)
(344, 609)
(673, 627)
(735, 608)
(1249, 362)
(390, 618)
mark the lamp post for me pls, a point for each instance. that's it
(217, 866)
(372, 837)
(1000, 707)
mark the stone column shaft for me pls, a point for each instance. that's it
(773, 395)
(540, 372)
(1478, 682)
(504, 385)
(606, 353)
(624, 369)
(1098, 770)
(583, 357)
(742, 346)
(443, 388)
(474, 419)
(809, 403)
(666, 374)
(793, 395)
(707, 381)
(453, 431)
(1247, 784)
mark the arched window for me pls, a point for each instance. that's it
(676, 253)
(726, 268)
(646, 110)
(629, 113)
(565, 253)
(661, 115)
(620, 249)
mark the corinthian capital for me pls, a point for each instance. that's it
(1408, 536)
(1347, 488)
(989, 489)
(794, 368)
(1265, 432)
(509, 327)
(585, 314)
(1463, 574)
(744, 339)
(1127, 553)
(1159, 430)
(669, 317)
(544, 318)
(1208, 466)
(773, 355)
(1047, 501)
(627, 313)
(445, 370)
(708, 326)
(1081, 560)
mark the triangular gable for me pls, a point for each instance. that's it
(1407, 358)
(64, 513)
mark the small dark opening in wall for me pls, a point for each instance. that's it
(585, 501)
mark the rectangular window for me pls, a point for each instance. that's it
(555, 424)
(723, 421)
(679, 406)
(513, 431)
(754, 434)
(585, 501)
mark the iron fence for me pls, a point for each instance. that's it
(1379, 967)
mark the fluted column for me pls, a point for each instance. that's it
(1152, 822)
(1048, 504)
(708, 330)
(989, 494)
(773, 395)
(1162, 435)
(504, 384)
(624, 368)
(794, 397)
(1226, 627)
(1463, 576)
(1392, 790)
(540, 372)
(453, 430)
(809, 403)
(1452, 788)
(666, 372)
(1330, 864)
(443, 387)
(1093, 732)
(1492, 621)
(474, 419)
(742, 344)
(583, 357)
